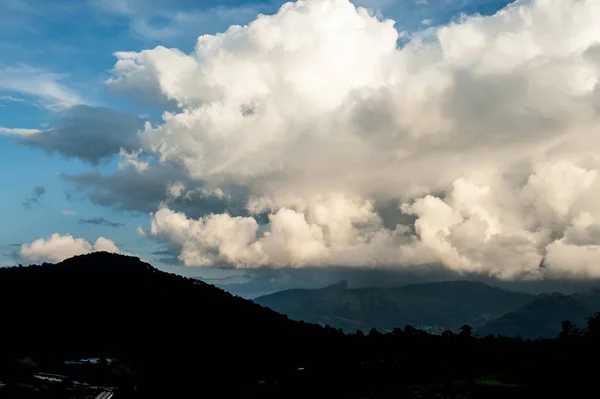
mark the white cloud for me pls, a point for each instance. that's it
(58, 247)
(216, 192)
(45, 85)
(175, 190)
(18, 131)
(426, 21)
(486, 133)
(130, 159)
(104, 244)
(324, 231)
(12, 99)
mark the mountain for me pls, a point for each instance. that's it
(169, 328)
(433, 306)
(543, 316)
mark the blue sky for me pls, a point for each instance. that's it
(55, 56)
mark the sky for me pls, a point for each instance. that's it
(263, 145)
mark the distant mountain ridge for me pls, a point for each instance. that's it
(543, 316)
(432, 307)
(435, 307)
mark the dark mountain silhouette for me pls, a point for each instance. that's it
(107, 303)
(432, 306)
(542, 317)
(182, 338)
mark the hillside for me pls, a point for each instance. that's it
(106, 303)
(543, 316)
(433, 306)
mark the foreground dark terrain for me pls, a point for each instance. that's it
(162, 335)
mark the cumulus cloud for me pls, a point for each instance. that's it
(58, 247)
(485, 134)
(89, 133)
(104, 244)
(324, 231)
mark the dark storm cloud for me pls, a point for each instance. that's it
(391, 215)
(100, 221)
(168, 256)
(170, 261)
(34, 198)
(165, 252)
(89, 133)
(129, 190)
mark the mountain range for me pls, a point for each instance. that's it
(435, 307)
(542, 317)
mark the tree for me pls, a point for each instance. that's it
(397, 332)
(447, 334)
(593, 325)
(568, 330)
(374, 333)
(409, 330)
(466, 331)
